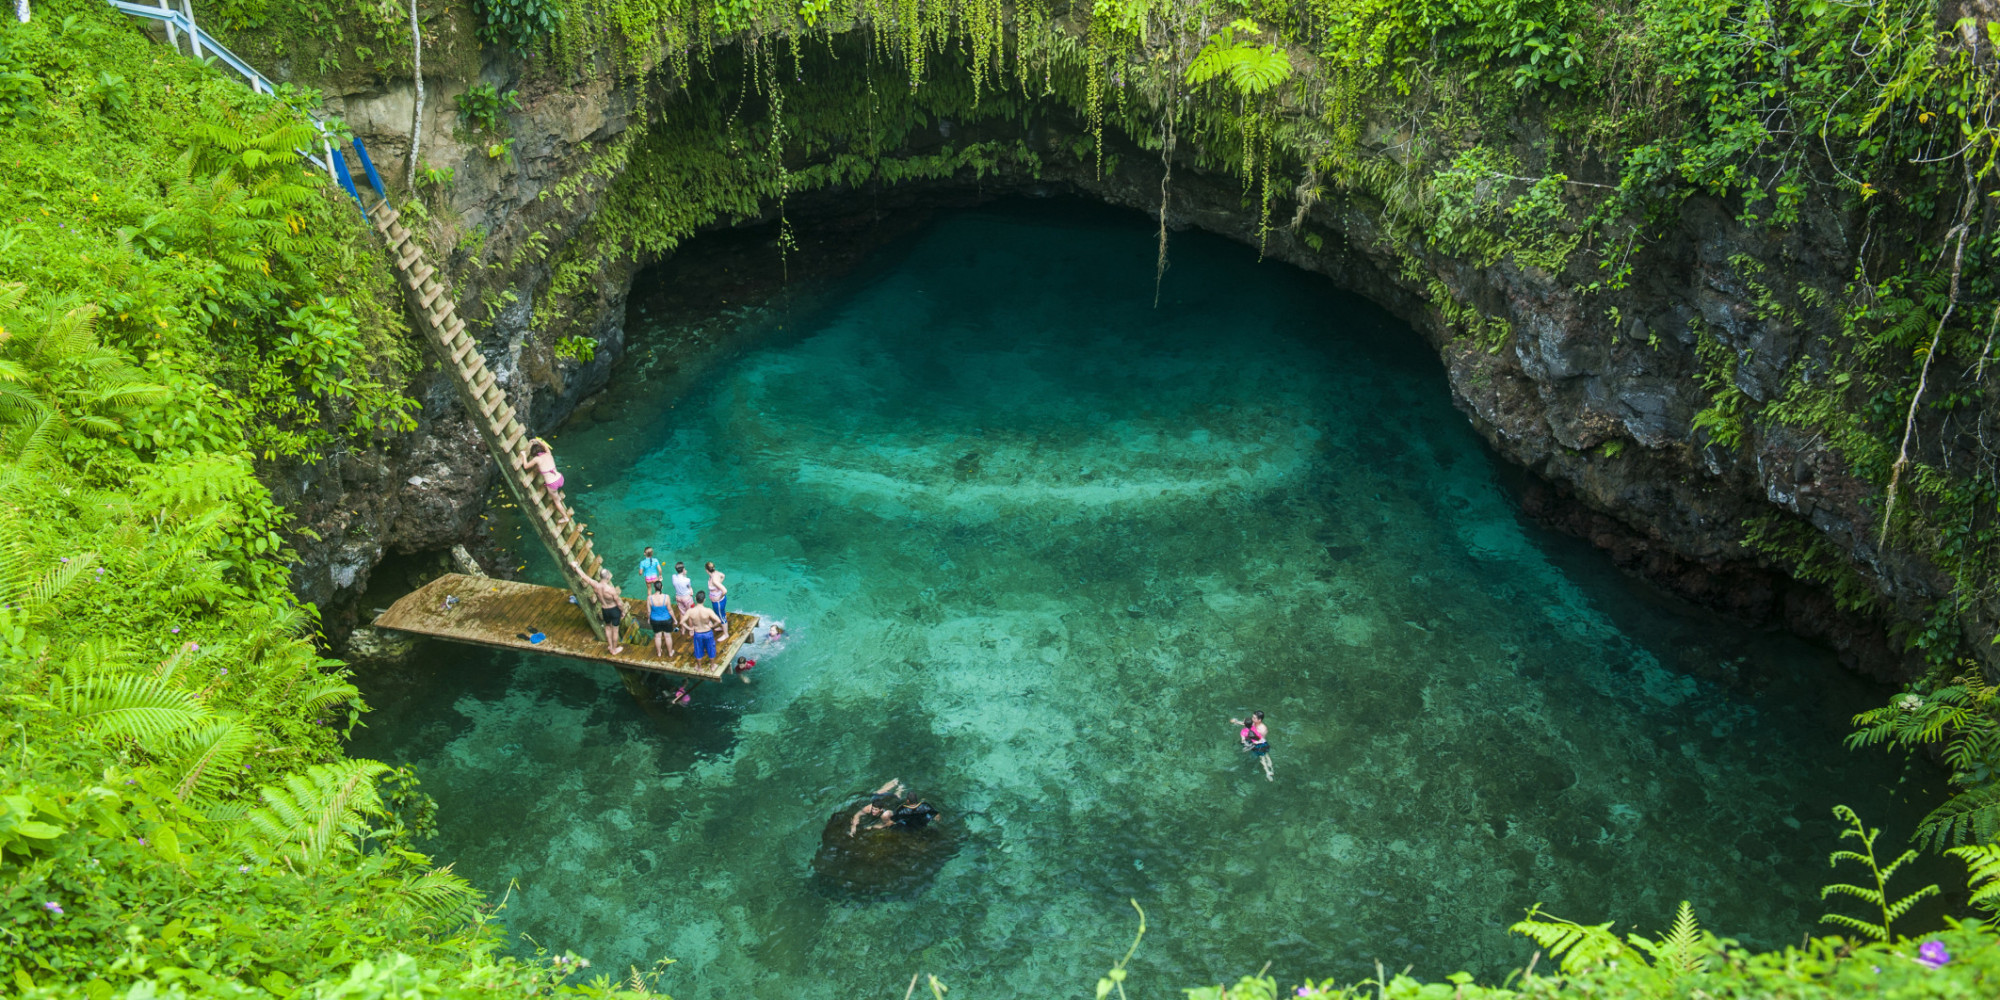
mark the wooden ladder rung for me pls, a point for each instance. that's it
(421, 272)
(509, 440)
(458, 353)
(429, 295)
(591, 567)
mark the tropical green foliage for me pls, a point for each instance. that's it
(185, 300)
(1959, 717)
(1876, 896)
(176, 812)
(483, 106)
(520, 25)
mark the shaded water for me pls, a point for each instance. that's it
(1036, 542)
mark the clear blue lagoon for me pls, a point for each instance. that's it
(1036, 541)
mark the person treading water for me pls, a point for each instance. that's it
(880, 805)
(1256, 739)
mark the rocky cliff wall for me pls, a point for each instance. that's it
(1601, 409)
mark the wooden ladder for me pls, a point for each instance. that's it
(506, 437)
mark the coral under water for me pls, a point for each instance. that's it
(1036, 541)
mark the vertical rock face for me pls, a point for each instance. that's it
(427, 490)
(1596, 393)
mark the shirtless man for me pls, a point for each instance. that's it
(881, 806)
(610, 604)
(700, 624)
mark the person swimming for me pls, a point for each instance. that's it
(880, 806)
(1256, 739)
(914, 815)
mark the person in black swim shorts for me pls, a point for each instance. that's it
(610, 603)
(913, 815)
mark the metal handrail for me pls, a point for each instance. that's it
(204, 43)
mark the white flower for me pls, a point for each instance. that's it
(1910, 703)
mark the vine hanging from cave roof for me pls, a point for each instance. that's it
(1253, 70)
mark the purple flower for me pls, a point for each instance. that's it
(143, 842)
(52, 908)
(65, 559)
(1933, 955)
(225, 670)
(175, 630)
(242, 869)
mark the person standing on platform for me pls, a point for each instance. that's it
(660, 616)
(610, 603)
(700, 624)
(718, 598)
(683, 587)
(649, 568)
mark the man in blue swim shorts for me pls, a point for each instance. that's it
(701, 623)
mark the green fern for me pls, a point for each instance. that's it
(145, 709)
(1578, 946)
(1984, 862)
(1961, 715)
(1878, 896)
(322, 810)
(439, 895)
(1680, 951)
(1250, 68)
(211, 753)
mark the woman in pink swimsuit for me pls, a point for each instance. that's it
(541, 460)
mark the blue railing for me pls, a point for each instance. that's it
(204, 44)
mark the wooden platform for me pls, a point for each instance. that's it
(502, 613)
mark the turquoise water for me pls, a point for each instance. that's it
(1036, 541)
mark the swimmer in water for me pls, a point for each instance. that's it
(1256, 739)
(913, 815)
(743, 666)
(880, 807)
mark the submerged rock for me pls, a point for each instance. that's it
(891, 863)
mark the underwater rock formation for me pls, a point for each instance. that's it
(885, 863)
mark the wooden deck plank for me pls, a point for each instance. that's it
(501, 613)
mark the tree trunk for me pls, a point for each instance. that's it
(417, 73)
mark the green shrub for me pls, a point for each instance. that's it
(482, 107)
(521, 25)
